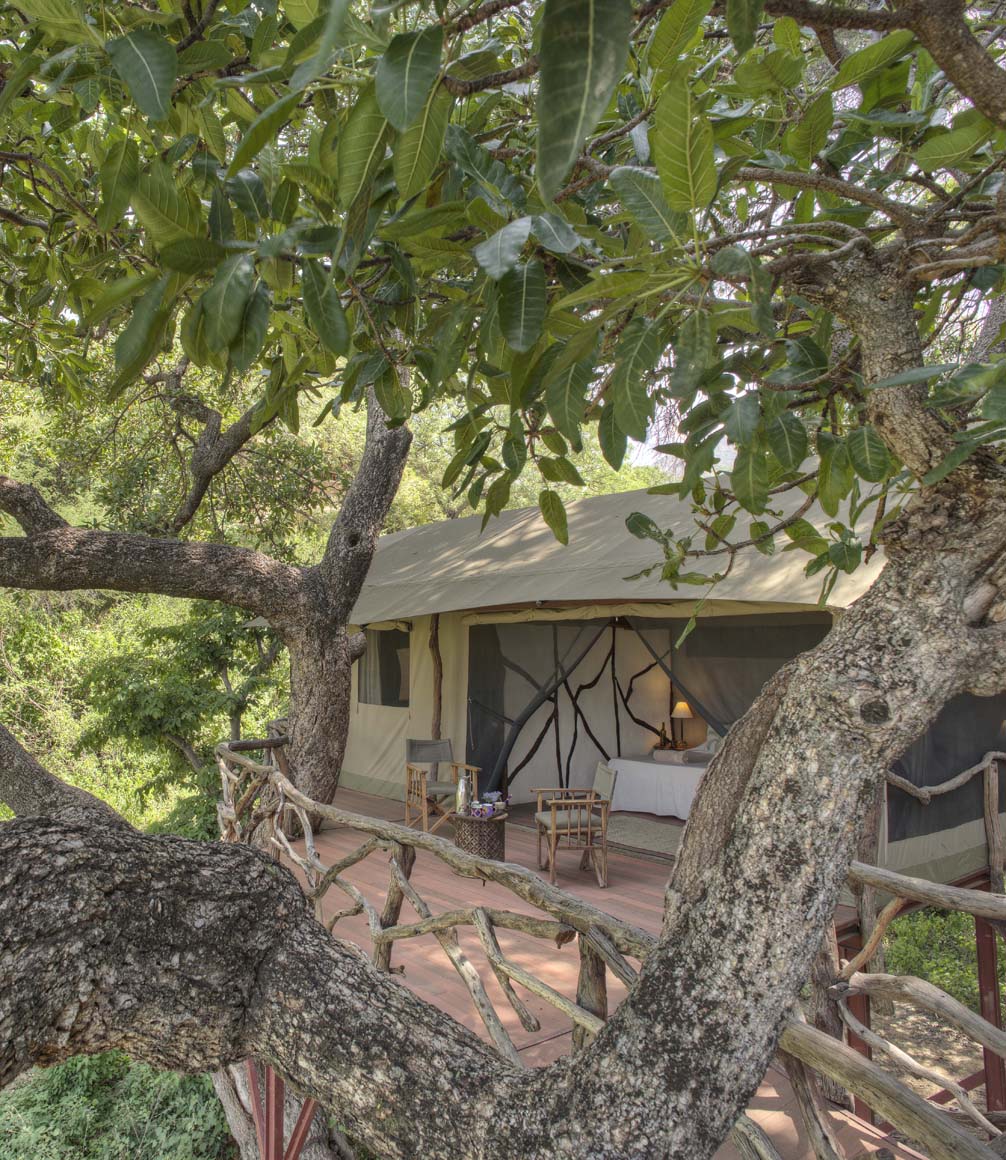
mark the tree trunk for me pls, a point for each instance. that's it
(321, 660)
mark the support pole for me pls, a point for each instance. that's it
(990, 1002)
(274, 1101)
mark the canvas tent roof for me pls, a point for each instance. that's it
(450, 566)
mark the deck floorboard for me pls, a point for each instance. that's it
(634, 894)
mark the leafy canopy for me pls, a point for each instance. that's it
(579, 212)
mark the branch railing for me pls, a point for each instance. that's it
(261, 806)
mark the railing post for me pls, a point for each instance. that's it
(859, 1005)
(591, 989)
(406, 856)
(990, 1002)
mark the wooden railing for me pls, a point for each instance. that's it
(260, 805)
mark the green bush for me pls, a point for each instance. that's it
(940, 947)
(103, 1107)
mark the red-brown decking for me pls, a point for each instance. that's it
(635, 894)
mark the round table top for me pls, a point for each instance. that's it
(455, 816)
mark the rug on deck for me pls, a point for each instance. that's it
(644, 834)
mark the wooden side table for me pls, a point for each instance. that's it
(484, 837)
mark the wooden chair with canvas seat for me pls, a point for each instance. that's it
(576, 819)
(427, 792)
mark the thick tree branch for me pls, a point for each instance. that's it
(833, 17)
(28, 788)
(68, 558)
(897, 213)
(353, 539)
(463, 88)
(215, 448)
(942, 28)
(26, 505)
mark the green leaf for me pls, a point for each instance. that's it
(809, 135)
(136, 344)
(868, 454)
(204, 56)
(121, 291)
(555, 233)
(164, 211)
(694, 351)
(331, 34)
(804, 535)
(15, 82)
(636, 355)
(950, 148)
(221, 220)
(994, 403)
(584, 45)
(118, 176)
(845, 556)
(324, 310)
(915, 375)
(565, 398)
(641, 526)
(675, 32)
(225, 300)
(683, 148)
(642, 195)
(522, 302)
(192, 255)
(253, 330)
(418, 150)
(148, 66)
(395, 400)
(248, 191)
(742, 419)
(559, 471)
(787, 440)
(554, 512)
(361, 146)
(262, 130)
(749, 479)
(743, 17)
(406, 73)
(835, 477)
(301, 13)
(63, 19)
(763, 541)
(953, 460)
(857, 66)
(193, 338)
(501, 252)
(612, 438)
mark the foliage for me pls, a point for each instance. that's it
(103, 1107)
(938, 946)
(317, 200)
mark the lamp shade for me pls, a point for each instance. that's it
(681, 711)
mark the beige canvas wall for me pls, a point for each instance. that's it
(375, 753)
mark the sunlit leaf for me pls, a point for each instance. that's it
(148, 66)
(584, 44)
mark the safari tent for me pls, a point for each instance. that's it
(537, 660)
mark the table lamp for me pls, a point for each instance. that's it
(680, 712)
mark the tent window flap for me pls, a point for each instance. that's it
(384, 669)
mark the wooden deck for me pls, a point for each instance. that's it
(635, 894)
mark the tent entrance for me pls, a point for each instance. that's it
(548, 699)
